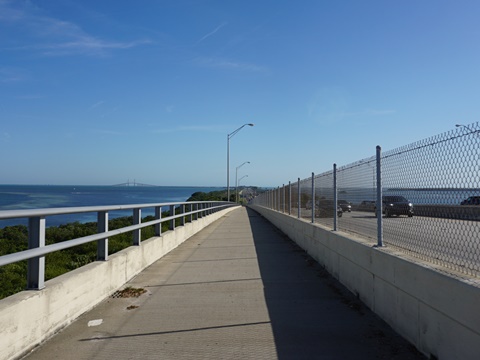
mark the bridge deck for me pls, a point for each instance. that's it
(237, 290)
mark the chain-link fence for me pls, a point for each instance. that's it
(427, 193)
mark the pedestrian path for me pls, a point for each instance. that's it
(239, 289)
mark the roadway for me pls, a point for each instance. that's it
(239, 289)
(449, 242)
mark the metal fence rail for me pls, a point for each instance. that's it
(422, 198)
(37, 249)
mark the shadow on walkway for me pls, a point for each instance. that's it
(312, 315)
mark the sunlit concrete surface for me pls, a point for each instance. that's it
(239, 289)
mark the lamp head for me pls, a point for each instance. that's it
(251, 124)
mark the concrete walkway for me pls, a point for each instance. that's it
(237, 290)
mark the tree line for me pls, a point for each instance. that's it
(13, 277)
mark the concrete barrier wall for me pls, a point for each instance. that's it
(435, 311)
(30, 317)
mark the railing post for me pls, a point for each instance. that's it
(137, 219)
(299, 200)
(283, 200)
(190, 210)
(196, 211)
(172, 222)
(313, 197)
(36, 266)
(182, 211)
(158, 216)
(379, 198)
(102, 245)
(335, 206)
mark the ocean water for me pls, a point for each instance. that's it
(20, 197)
(416, 196)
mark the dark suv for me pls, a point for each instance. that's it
(472, 200)
(396, 205)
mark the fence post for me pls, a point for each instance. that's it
(379, 198)
(36, 266)
(313, 197)
(299, 201)
(283, 200)
(102, 226)
(289, 198)
(335, 215)
(279, 194)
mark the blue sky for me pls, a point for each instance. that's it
(98, 92)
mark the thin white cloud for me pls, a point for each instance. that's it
(228, 65)
(86, 46)
(333, 105)
(9, 14)
(29, 97)
(97, 104)
(106, 132)
(212, 32)
(54, 37)
(364, 115)
(10, 75)
(109, 112)
(5, 136)
(187, 129)
(368, 112)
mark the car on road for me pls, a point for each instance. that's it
(396, 205)
(345, 205)
(472, 200)
(324, 208)
(366, 205)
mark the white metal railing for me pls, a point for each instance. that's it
(35, 255)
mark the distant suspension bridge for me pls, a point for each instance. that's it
(134, 183)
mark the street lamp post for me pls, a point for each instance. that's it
(229, 136)
(244, 176)
(236, 181)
